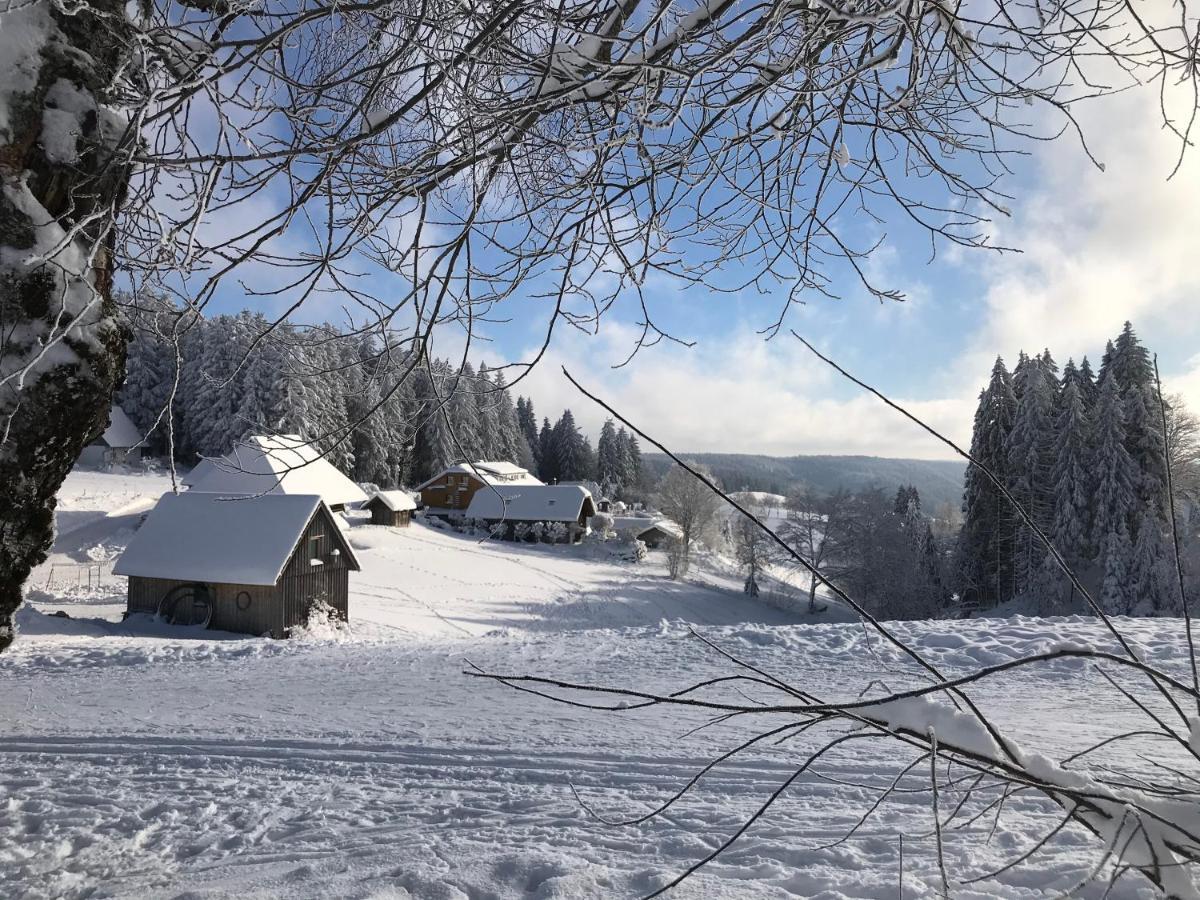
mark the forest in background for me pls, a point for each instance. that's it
(199, 385)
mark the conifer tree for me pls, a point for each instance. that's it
(1115, 559)
(1113, 500)
(149, 377)
(1028, 457)
(513, 446)
(1070, 529)
(568, 450)
(1049, 371)
(1147, 448)
(433, 447)
(1149, 578)
(985, 546)
(610, 466)
(463, 410)
(527, 419)
(547, 461)
(485, 406)
(1087, 385)
(633, 477)
(1106, 363)
(1129, 361)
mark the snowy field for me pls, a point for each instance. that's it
(145, 761)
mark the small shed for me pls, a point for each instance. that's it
(117, 446)
(253, 565)
(654, 533)
(393, 508)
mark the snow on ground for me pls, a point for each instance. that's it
(142, 760)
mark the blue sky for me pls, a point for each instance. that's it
(1098, 248)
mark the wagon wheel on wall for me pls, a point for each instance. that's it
(187, 604)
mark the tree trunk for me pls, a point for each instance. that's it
(62, 353)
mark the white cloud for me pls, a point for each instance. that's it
(1099, 247)
(739, 394)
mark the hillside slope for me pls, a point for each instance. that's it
(939, 481)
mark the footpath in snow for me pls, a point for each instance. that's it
(142, 760)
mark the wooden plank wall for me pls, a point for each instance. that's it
(241, 608)
(303, 583)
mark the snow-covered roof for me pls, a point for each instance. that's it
(639, 525)
(199, 470)
(530, 503)
(281, 464)
(206, 537)
(396, 501)
(488, 472)
(121, 432)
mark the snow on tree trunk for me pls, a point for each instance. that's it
(61, 351)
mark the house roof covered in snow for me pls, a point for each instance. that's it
(639, 525)
(282, 464)
(488, 472)
(121, 433)
(396, 501)
(199, 470)
(206, 537)
(531, 503)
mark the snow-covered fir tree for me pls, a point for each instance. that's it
(569, 450)
(1113, 495)
(547, 462)
(985, 544)
(610, 464)
(1151, 589)
(1070, 525)
(632, 477)
(1115, 559)
(527, 420)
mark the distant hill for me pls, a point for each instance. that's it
(938, 481)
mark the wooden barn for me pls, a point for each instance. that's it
(118, 445)
(452, 490)
(255, 565)
(394, 508)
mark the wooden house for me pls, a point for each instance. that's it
(506, 507)
(118, 444)
(254, 565)
(275, 464)
(394, 508)
(450, 491)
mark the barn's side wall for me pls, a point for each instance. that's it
(241, 608)
(381, 515)
(302, 583)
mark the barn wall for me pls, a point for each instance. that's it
(381, 515)
(93, 456)
(259, 612)
(302, 583)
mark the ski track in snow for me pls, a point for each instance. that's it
(142, 761)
